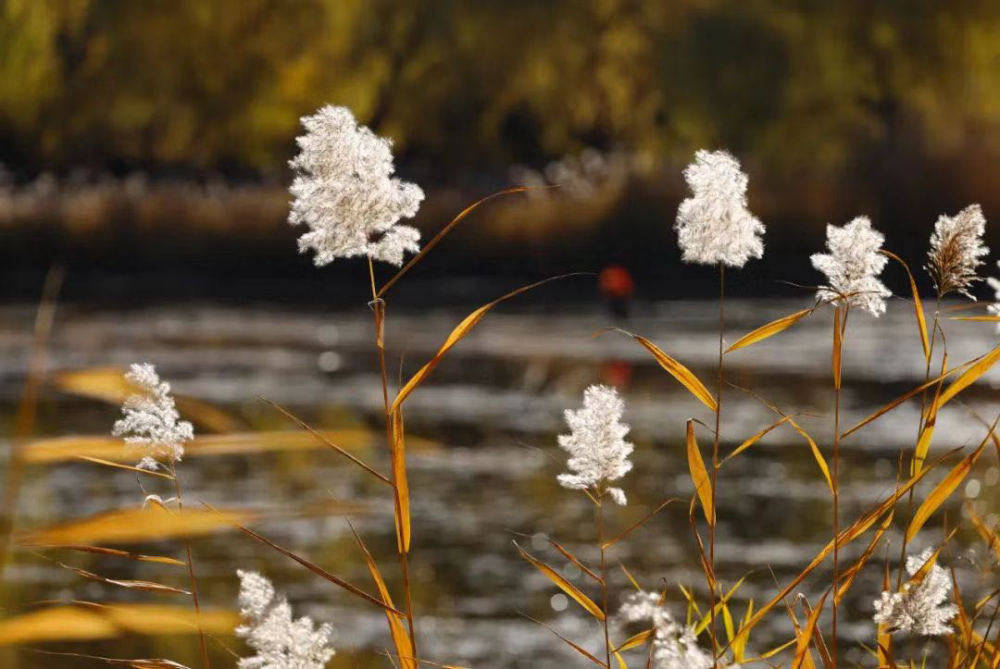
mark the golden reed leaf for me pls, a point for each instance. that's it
(805, 635)
(564, 585)
(970, 376)
(109, 384)
(918, 306)
(755, 438)
(457, 334)
(699, 475)
(86, 621)
(770, 329)
(397, 629)
(817, 455)
(943, 491)
(683, 375)
(136, 525)
(400, 483)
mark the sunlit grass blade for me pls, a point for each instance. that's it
(400, 482)
(635, 640)
(397, 627)
(336, 447)
(929, 421)
(319, 571)
(87, 621)
(575, 560)
(579, 649)
(109, 384)
(128, 584)
(706, 619)
(755, 438)
(683, 375)
(639, 523)
(444, 231)
(846, 536)
(817, 455)
(457, 334)
(563, 584)
(943, 491)
(59, 449)
(156, 663)
(114, 552)
(982, 319)
(805, 636)
(699, 475)
(153, 523)
(989, 535)
(918, 306)
(970, 376)
(770, 329)
(847, 578)
(118, 465)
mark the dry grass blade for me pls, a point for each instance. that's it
(319, 571)
(899, 400)
(636, 640)
(156, 663)
(838, 348)
(983, 319)
(720, 605)
(755, 438)
(60, 449)
(636, 525)
(458, 333)
(943, 491)
(918, 306)
(805, 635)
(850, 574)
(109, 384)
(572, 558)
(817, 455)
(114, 552)
(930, 420)
(305, 426)
(397, 625)
(770, 329)
(991, 538)
(845, 537)
(970, 376)
(569, 643)
(921, 573)
(86, 621)
(118, 465)
(699, 475)
(564, 585)
(136, 525)
(400, 483)
(444, 231)
(683, 375)
(145, 586)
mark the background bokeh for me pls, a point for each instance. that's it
(145, 144)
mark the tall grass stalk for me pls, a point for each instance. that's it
(599, 520)
(840, 329)
(378, 311)
(192, 577)
(715, 459)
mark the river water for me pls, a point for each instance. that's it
(484, 462)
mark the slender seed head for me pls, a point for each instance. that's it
(956, 249)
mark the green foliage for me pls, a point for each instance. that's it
(221, 84)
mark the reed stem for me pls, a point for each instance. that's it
(715, 460)
(192, 578)
(378, 309)
(840, 328)
(604, 577)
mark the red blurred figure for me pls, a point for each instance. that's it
(616, 287)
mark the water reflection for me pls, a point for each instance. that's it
(487, 473)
